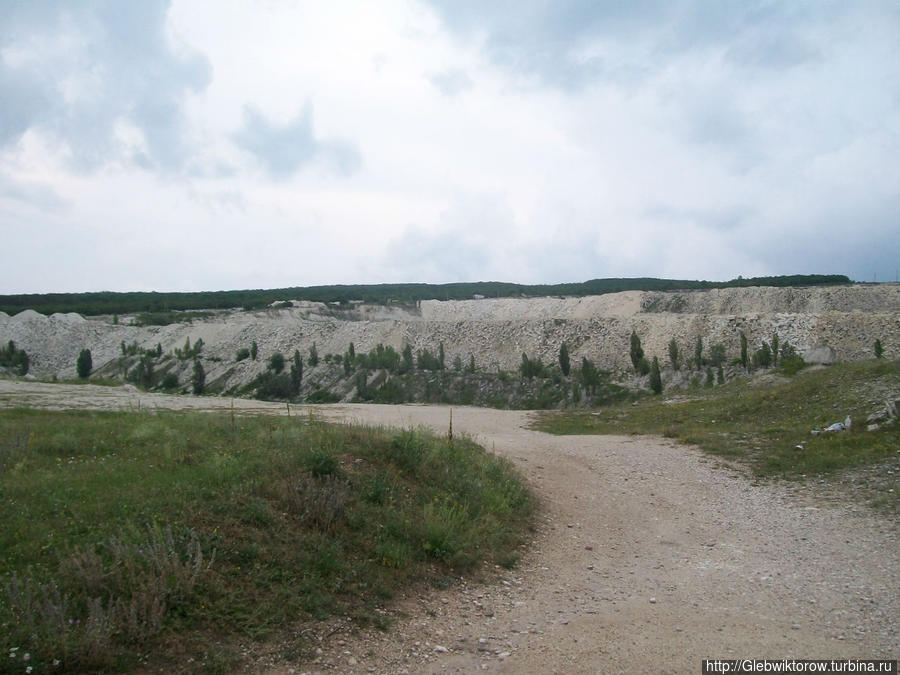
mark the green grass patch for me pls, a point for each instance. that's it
(129, 533)
(761, 424)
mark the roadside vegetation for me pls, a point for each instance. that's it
(137, 540)
(761, 422)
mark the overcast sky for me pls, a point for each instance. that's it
(214, 144)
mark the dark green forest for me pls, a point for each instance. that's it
(109, 302)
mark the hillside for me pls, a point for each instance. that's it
(494, 332)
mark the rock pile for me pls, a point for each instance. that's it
(824, 324)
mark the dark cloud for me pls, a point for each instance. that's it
(76, 69)
(284, 149)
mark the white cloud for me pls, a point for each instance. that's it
(207, 144)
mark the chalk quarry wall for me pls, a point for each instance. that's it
(496, 332)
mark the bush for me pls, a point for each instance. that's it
(14, 358)
(84, 364)
(276, 362)
(169, 382)
(322, 396)
(274, 387)
(241, 354)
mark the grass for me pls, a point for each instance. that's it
(177, 534)
(761, 424)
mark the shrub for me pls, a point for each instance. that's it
(530, 369)
(276, 362)
(142, 374)
(169, 382)
(322, 396)
(698, 353)
(14, 358)
(762, 358)
(879, 350)
(271, 386)
(241, 354)
(84, 364)
(313, 356)
(254, 350)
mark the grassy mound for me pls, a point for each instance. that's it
(762, 423)
(128, 534)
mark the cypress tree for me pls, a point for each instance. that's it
(198, 378)
(637, 352)
(655, 378)
(564, 364)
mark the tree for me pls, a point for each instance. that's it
(655, 378)
(441, 355)
(406, 359)
(84, 364)
(457, 363)
(564, 364)
(717, 354)
(698, 352)
(254, 350)
(471, 367)
(590, 377)
(879, 350)
(12, 357)
(198, 378)
(530, 368)
(276, 362)
(774, 349)
(142, 375)
(351, 351)
(763, 356)
(313, 356)
(637, 352)
(674, 356)
(296, 373)
(720, 375)
(744, 360)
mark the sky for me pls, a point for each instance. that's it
(192, 145)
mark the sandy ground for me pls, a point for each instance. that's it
(648, 557)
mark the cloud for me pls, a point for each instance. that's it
(284, 149)
(77, 71)
(451, 82)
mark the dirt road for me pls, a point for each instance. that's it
(649, 557)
